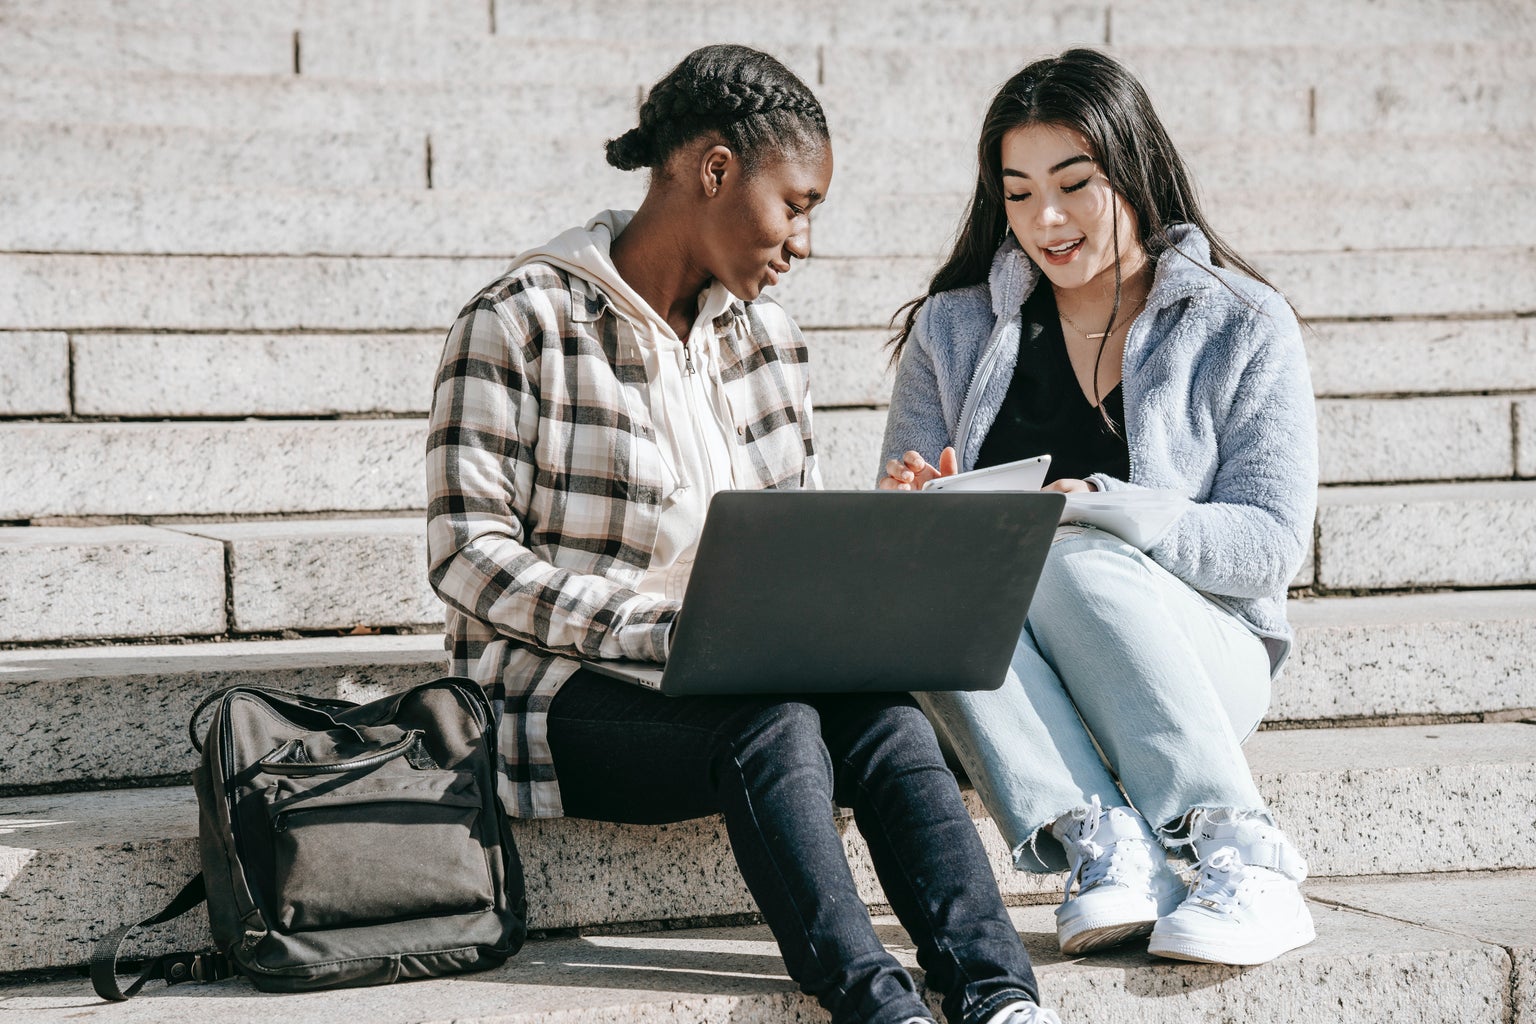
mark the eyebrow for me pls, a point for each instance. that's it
(1009, 172)
(813, 195)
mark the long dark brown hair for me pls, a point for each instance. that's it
(1093, 94)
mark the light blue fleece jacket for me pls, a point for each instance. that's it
(1218, 406)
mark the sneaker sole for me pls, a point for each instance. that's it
(1194, 950)
(1088, 939)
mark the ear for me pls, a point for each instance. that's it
(715, 165)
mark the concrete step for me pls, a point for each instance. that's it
(1422, 357)
(276, 466)
(160, 161)
(167, 293)
(31, 46)
(933, 164)
(1474, 929)
(36, 379)
(378, 51)
(161, 293)
(1410, 656)
(146, 215)
(297, 103)
(1453, 653)
(114, 581)
(374, 465)
(253, 467)
(81, 863)
(466, 16)
(179, 376)
(182, 376)
(1428, 535)
(101, 714)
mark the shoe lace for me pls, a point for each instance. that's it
(1089, 865)
(1221, 877)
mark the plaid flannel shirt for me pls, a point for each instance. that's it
(545, 483)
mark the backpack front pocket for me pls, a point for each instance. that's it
(362, 850)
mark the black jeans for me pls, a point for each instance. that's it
(773, 768)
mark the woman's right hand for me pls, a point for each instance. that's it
(912, 471)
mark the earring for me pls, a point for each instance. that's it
(715, 191)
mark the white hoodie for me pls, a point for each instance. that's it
(695, 427)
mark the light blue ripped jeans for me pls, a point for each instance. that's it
(1119, 651)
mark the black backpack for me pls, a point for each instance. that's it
(345, 844)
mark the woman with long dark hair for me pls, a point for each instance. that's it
(1088, 311)
(589, 403)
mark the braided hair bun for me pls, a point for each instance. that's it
(746, 97)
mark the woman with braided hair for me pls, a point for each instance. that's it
(589, 403)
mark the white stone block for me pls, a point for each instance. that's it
(168, 158)
(1365, 440)
(852, 293)
(79, 715)
(1306, 576)
(1328, 163)
(1402, 788)
(466, 16)
(529, 165)
(1414, 654)
(848, 444)
(1525, 418)
(849, 368)
(1479, 103)
(58, 583)
(1428, 535)
(953, 110)
(254, 294)
(885, 224)
(34, 374)
(223, 221)
(41, 47)
(587, 873)
(238, 375)
(86, 469)
(299, 103)
(1423, 356)
(1404, 284)
(1316, 23)
(673, 27)
(381, 51)
(1494, 909)
(327, 574)
(1276, 220)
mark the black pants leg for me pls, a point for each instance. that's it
(772, 768)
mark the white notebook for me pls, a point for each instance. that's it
(1139, 517)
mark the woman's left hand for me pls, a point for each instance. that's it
(1069, 485)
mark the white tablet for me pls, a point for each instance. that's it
(1024, 475)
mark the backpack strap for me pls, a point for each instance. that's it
(172, 968)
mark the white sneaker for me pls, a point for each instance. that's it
(1024, 1013)
(1124, 883)
(1245, 906)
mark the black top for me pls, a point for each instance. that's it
(1045, 411)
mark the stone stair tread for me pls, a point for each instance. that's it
(736, 973)
(1457, 653)
(1431, 799)
(84, 292)
(234, 376)
(177, 207)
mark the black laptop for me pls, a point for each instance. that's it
(854, 591)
